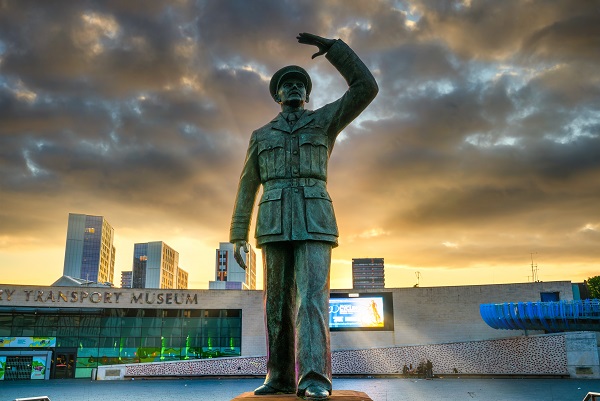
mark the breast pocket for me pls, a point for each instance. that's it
(320, 217)
(271, 158)
(269, 217)
(313, 155)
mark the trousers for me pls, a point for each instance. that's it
(296, 300)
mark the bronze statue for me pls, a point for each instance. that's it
(296, 226)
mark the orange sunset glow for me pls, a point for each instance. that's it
(477, 163)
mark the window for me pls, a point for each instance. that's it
(549, 296)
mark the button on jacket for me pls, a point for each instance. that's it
(291, 164)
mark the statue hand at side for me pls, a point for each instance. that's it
(237, 252)
(322, 43)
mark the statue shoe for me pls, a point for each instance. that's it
(265, 389)
(316, 392)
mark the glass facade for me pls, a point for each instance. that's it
(92, 241)
(140, 262)
(113, 336)
(368, 273)
(89, 252)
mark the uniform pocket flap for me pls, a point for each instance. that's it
(271, 195)
(271, 143)
(316, 193)
(313, 139)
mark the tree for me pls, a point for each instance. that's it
(593, 284)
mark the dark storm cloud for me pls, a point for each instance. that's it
(476, 146)
(571, 39)
(486, 121)
(86, 47)
(420, 62)
(491, 29)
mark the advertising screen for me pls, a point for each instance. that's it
(363, 312)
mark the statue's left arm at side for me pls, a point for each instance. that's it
(244, 202)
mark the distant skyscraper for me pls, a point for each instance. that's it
(126, 279)
(156, 265)
(182, 279)
(228, 274)
(368, 273)
(89, 252)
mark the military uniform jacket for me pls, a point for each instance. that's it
(291, 164)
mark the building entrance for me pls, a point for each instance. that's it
(64, 365)
(18, 368)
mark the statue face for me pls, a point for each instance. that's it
(292, 92)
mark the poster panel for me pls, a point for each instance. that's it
(2, 366)
(38, 368)
(27, 342)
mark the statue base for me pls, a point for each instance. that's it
(336, 395)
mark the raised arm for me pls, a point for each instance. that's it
(322, 43)
(362, 87)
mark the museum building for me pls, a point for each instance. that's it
(66, 332)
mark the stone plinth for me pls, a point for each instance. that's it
(336, 395)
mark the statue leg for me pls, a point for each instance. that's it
(313, 354)
(279, 298)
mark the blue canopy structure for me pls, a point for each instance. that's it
(548, 316)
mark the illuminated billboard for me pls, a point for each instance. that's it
(366, 311)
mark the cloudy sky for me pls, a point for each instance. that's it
(480, 153)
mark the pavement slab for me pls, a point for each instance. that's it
(379, 389)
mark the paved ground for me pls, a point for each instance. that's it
(378, 389)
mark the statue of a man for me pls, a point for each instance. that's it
(296, 227)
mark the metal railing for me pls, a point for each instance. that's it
(592, 397)
(41, 398)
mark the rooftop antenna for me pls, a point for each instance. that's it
(534, 269)
(418, 274)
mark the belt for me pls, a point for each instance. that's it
(278, 183)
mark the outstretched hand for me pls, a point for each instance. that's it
(322, 43)
(237, 252)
